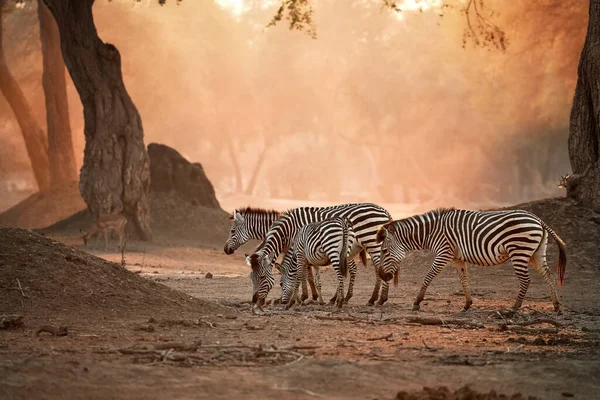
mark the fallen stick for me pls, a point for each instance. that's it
(444, 321)
(538, 321)
(21, 288)
(522, 329)
(385, 337)
(53, 330)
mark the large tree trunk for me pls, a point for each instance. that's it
(35, 138)
(60, 145)
(116, 173)
(584, 133)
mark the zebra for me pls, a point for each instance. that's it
(365, 217)
(321, 243)
(249, 223)
(482, 238)
(254, 223)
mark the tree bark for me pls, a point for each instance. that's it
(116, 173)
(33, 135)
(61, 156)
(584, 132)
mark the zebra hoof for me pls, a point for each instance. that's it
(416, 307)
(381, 302)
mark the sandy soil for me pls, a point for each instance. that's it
(122, 322)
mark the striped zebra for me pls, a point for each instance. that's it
(332, 241)
(365, 218)
(483, 238)
(249, 223)
(254, 223)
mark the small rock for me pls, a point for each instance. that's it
(568, 394)
(208, 275)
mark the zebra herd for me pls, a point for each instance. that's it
(317, 236)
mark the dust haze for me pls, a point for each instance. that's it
(382, 107)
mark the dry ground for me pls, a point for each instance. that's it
(131, 336)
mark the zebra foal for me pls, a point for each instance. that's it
(482, 238)
(332, 241)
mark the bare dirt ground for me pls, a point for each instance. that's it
(158, 328)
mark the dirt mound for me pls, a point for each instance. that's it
(578, 227)
(171, 172)
(44, 208)
(46, 280)
(464, 393)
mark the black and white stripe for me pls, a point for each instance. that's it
(365, 218)
(249, 223)
(254, 223)
(332, 241)
(480, 238)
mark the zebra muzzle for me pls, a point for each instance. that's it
(227, 250)
(386, 276)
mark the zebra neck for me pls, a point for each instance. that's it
(259, 225)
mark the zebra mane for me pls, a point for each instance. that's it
(256, 210)
(438, 212)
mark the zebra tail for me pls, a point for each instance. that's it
(396, 277)
(562, 254)
(344, 252)
(363, 257)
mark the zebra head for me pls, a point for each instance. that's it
(392, 253)
(261, 276)
(239, 233)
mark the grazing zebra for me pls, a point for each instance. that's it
(483, 238)
(332, 241)
(365, 218)
(254, 223)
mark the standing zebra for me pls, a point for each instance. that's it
(480, 238)
(321, 243)
(365, 218)
(254, 223)
(249, 223)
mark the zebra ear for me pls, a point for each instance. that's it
(381, 234)
(238, 217)
(253, 261)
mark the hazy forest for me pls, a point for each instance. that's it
(174, 175)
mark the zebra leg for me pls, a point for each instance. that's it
(439, 263)
(296, 284)
(538, 260)
(520, 264)
(461, 269)
(335, 261)
(352, 269)
(311, 282)
(318, 284)
(385, 287)
(373, 252)
(304, 287)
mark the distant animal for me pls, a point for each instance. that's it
(482, 238)
(321, 243)
(365, 217)
(115, 222)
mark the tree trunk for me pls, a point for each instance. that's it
(60, 145)
(262, 157)
(33, 135)
(584, 132)
(116, 173)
